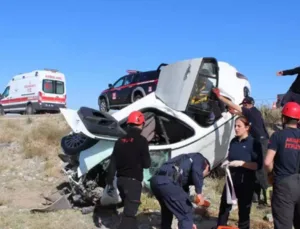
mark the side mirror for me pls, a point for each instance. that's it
(110, 85)
(1, 96)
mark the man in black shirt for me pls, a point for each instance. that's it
(293, 94)
(283, 160)
(257, 131)
(129, 158)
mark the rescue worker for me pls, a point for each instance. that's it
(244, 158)
(282, 161)
(293, 94)
(259, 132)
(129, 157)
(170, 186)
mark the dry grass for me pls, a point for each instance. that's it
(148, 202)
(42, 138)
(56, 220)
(37, 137)
(4, 201)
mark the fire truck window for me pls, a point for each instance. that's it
(128, 79)
(150, 75)
(119, 83)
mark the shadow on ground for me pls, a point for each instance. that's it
(109, 218)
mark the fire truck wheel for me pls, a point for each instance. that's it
(103, 105)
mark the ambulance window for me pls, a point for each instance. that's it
(60, 89)
(5, 93)
(48, 86)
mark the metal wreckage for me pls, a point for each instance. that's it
(178, 121)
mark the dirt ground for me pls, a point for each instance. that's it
(29, 167)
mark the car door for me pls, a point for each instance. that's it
(176, 81)
(125, 92)
(115, 92)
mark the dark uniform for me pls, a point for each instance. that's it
(259, 132)
(286, 186)
(248, 150)
(293, 94)
(171, 188)
(130, 156)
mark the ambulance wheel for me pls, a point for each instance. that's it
(29, 109)
(103, 105)
(2, 111)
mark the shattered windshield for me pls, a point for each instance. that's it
(157, 159)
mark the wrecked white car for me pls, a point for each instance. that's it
(182, 116)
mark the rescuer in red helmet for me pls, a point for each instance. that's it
(282, 162)
(129, 157)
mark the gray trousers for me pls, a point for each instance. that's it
(261, 174)
(286, 203)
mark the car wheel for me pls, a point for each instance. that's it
(137, 97)
(74, 143)
(2, 111)
(29, 109)
(103, 105)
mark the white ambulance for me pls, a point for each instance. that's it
(39, 91)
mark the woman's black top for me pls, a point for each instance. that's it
(248, 150)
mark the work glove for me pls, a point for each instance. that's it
(216, 91)
(199, 199)
(236, 163)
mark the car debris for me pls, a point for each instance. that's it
(176, 123)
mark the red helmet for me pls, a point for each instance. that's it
(292, 110)
(136, 117)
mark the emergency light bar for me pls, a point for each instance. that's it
(51, 70)
(132, 71)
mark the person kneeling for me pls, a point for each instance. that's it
(170, 186)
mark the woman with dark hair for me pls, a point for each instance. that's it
(244, 158)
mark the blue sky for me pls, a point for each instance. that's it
(93, 42)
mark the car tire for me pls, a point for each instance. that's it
(74, 143)
(29, 109)
(137, 97)
(103, 105)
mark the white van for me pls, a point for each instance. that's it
(34, 92)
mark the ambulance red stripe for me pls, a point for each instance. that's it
(41, 98)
